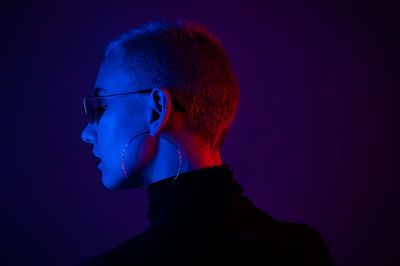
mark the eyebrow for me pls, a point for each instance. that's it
(97, 90)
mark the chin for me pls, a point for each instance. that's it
(114, 183)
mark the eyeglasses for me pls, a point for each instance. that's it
(94, 107)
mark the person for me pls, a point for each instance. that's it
(165, 96)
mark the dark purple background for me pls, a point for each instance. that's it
(314, 140)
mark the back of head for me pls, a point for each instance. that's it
(190, 62)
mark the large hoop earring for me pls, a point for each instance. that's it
(171, 141)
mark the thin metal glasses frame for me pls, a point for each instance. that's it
(94, 115)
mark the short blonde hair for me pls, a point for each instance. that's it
(191, 63)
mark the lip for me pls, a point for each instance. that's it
(94, 156)
(97, 164)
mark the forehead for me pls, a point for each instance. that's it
(111, 79)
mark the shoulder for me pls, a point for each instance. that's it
(307, 241)
(118, 254)
(137, 250)
(297, 229)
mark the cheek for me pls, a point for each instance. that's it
(113, 125)
(116, 129)
(109, 140)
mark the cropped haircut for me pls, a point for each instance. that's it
(191, 63)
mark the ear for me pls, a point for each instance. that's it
(160, 110)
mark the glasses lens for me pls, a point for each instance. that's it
(93, 108)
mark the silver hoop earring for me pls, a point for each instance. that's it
(171, 141)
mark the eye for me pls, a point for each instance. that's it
(100, 110)
(97, 113)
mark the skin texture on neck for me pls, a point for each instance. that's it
(194, 151)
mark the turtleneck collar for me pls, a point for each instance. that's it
(194, 194)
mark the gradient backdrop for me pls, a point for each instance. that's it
(315, 139)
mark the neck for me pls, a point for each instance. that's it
(167, 160)
(193, 196)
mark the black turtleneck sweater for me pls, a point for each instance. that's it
(203, 219)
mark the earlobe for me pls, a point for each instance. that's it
(160, 110)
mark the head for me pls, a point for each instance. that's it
(184, 67)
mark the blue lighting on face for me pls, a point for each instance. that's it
(114, 121)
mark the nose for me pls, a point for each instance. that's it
(88, 134)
